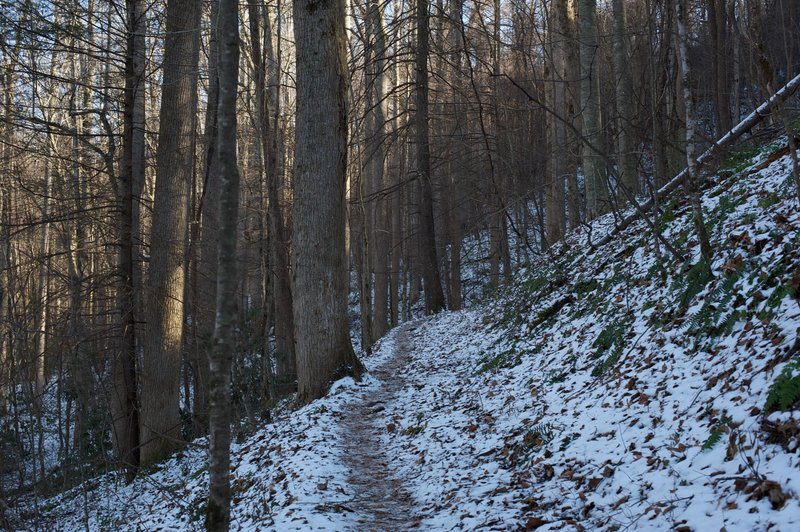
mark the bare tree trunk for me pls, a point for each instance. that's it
(42, 288)
(360, 238)
(718, 22)
(204, 307)
(267, 72)
(593, 167)
(736, 100)
(658, 89)
(376, 164)
(124, 402)
(624, 96)
(160, 416)
(455, 188)
(559, 32)
(693, 179)
(500, 253)
(324, 350)
(75, 244)
(279, 243)
(434, 296)
(400, 150)
(219, 497)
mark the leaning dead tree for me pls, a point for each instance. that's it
(753, 119)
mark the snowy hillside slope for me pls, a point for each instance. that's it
(608, 389)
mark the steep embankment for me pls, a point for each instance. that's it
(609, 389)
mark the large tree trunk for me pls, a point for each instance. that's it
(324, 349)
(219, 499)
(434, 295)
(160, 416)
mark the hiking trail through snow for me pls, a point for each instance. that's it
(380, 498)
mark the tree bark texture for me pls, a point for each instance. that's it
(160, 416)
(218, 513)
(376, 164)
(718, 20)
(324, 350)
(560, 32)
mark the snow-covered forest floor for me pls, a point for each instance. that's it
(608, 389)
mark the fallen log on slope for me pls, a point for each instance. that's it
(752, 120)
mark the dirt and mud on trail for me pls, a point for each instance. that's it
(380, 498)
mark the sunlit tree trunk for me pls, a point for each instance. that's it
(160, 416)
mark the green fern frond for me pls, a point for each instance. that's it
(697, 278)
(785, 391)
(709, 317)
(716, 433)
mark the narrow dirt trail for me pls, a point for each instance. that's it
(380, 498)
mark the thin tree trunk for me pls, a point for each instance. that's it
(596, 190)
(376, 164)
(718, 21)
(624, 95)
(434, 295)
(454, 187)
(40, 377)
(219, 497)
(124, 401)
(559, 32)
(267, 85)
(693, 179)
(398, 243)
(279, 242)
(204, 307)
